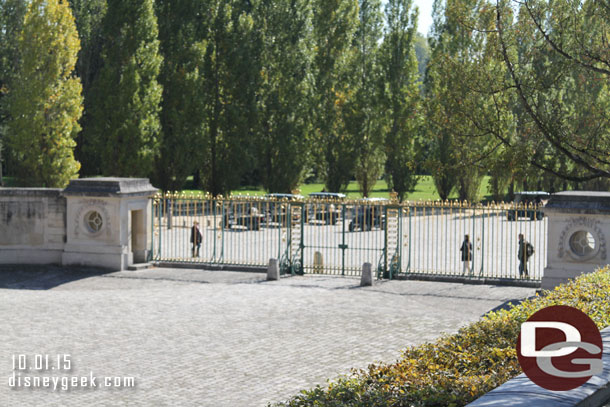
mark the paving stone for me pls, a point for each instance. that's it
(214, 338)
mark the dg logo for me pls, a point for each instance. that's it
(560, 348)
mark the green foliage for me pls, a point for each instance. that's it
(88, 15)
(459, 368)
(556, 55)
(462, 89)
(442, 167)
(284, 97)
(182, 36)
(499, 182)
(265, 91)
(12, 13)
(362, 110)
(126, 95)
(231, 74)
(334, 24)
(423, 191)
(44, 101)
(469, 181)
(400, 96)
(439, 141)
(422, 52)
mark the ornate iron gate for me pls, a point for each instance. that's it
(337, 237)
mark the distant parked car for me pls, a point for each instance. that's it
(290, 197)
(328, 212)
(525, 198)
(276, 211)
(243, 214)
(368, 215)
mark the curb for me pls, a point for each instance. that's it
(522, 392)
(470, 280)
(212, 267)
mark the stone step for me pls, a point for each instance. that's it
(139, 266)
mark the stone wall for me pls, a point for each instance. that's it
(101, 222)
(32, 225)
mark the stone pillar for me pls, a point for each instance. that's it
(578, 224)
(108, 222)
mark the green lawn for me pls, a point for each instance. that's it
(8, 182)
(424, 190)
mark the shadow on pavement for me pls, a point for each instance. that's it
(506, 305)
(44, 277)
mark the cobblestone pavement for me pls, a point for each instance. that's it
(192, 337)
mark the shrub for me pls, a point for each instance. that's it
(459, 368)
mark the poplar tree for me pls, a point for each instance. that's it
(231, 74)
(12, 13)
(182, 34)
(126, 94)
(363, 114)
(88, 15)
(45, 100)
(284, 95)
(463, 80)
(400, 99)
(438, 106)
(334, 24)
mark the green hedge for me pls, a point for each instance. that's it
(459, 368)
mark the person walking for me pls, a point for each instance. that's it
(466, 250)
(196, 238)
(525, 251)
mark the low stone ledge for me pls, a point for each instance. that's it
(109, 186)
(31, 192)
(582, 202)
(522, 392)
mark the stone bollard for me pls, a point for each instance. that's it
(318, 263)
(273, 270)
(367, 275)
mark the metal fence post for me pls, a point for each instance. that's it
(398, 241)
(408, 269)
(214, 203)
(482, 242)
(343, 243)
(279, 230)
(222, 233)
(160, 226)
(385, 241)
(474, 240)
(302, 244)
(152, 231)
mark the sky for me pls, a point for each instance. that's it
(425, 15)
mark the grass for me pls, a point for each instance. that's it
(424, 191)
(8, 182)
